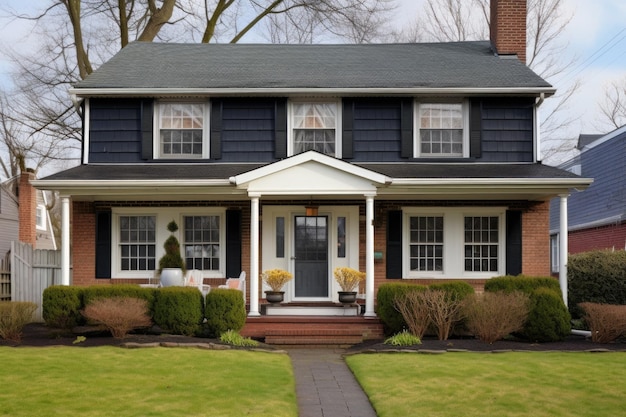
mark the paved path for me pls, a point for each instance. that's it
(325, 387)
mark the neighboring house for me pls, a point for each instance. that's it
(411, 162)
(596, 218)
(24, 215)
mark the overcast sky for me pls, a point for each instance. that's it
(596, 36)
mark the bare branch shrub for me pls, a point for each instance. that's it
(119, 314)
(443, 309)
(411, 306)
(14, 315)
(607, 322)
(493, 315)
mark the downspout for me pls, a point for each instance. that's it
(539, 101)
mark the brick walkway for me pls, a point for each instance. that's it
(325, 387)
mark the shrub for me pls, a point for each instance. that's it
(522, 283)
(178, 309)
(414, 312)
(493, 315)
(14, 315)
(119, 314)
(225, 310)
(95, 292)
(404, 338)
(457, 290)
(231, 337)
(443, 310)
(548, 319)
(607, 322)
(596, 277)
(61, 306)
(392, 319)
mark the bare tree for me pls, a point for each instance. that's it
(76, 36)
(462, 20)
(613, 109)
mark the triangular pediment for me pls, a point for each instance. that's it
(310, 173)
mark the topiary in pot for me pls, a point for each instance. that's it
(172, 265)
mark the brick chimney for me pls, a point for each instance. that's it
(508, 27)
(27, 195)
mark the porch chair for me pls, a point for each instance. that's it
(237, 284)
(194, 278)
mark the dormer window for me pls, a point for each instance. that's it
(314, 126)
(442, 130)
(182, 130)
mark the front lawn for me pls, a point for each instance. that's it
(110, 381)
(538, 384)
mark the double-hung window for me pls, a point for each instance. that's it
(137, 243)
(442, 130)
(315, 126)
(182, 130)
(202, 242)
(453, 242)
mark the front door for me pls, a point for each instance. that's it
(311, 257)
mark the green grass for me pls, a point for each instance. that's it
(538, 384)
(110, 381)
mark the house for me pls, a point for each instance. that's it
(414, 162)
(24, 214)
(596, 218)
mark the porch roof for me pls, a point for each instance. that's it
(198, 180)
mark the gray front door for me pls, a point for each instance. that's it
(311, 256)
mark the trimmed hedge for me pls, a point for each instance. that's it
(61, 306)
(178, 310)
(596, 277)
(526, 284)
(95, 292)
(548, 319)
(225, 310)
(457, 290)
(393, 322)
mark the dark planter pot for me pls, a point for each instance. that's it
(347, 297)
(274, 296)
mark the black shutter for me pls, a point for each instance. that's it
(147, 136)
(347, 150)
(280, 128)
(513, 242)
(394, 244)
(475, 133)
(233, 243)
(406, 126)
(216, 129)
(103, 244)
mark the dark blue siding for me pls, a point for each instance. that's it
(507, 131)
(115, 130)
(377, 131)
(248, 130)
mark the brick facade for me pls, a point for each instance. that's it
(611, 236)
(27, 195)
(508, 27)
(536, 240)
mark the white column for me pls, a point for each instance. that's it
(254, 257)
(369, 256)
(65, 241)
(563, 249)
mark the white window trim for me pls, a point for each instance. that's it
(338, 125)
(206, 131)
(416, 128)
(555, 253)
(163, 217)
(41, 225)
(453, 241)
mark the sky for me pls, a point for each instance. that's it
(595, 37)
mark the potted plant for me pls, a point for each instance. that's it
(172, 265)
(348, 279)
(275, 279)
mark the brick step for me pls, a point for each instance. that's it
(313, 341)
(314, 332)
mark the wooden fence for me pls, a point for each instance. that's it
(5, 278)
(32, 271)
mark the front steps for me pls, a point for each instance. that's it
(313, 331)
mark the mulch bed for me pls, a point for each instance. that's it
(37, 334)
